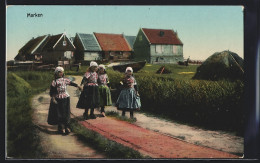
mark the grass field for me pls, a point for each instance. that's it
(178, 71)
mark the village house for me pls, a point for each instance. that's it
(114, 47)
(87, 47)
(58, 50)
(130, 40)
(31, 51)
(158, 46)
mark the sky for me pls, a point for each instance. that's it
(203, 30)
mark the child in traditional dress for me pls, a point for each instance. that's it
(129, 99)
(89, 98)
(59, 111)
(104, 91)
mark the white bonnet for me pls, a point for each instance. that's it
(92, 63)
(129, 68)
(58, 69)
(103, 66)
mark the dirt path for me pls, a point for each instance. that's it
(54, 144)
(170, 140)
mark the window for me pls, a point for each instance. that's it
(140, 38)
(159, 48)
(64, 43)
(67, 54)
(174, 49)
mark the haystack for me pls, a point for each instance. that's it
(221, 65)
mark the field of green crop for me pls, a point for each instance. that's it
(210, 104)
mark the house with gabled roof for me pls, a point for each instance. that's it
(158, 46)
(87, 47)
(58, 50)
(114, 47)
(31, 51)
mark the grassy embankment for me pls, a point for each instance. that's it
(22, 138)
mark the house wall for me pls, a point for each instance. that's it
(79, 52)
(141, 48)
(68, 47)
(117, 55)
(168, 55)
(90, 56)
(52, 57)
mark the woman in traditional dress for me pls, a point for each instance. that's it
(89, 98)
(104, 91)
(129, 99)
(59, 111)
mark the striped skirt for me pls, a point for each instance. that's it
(104, 95)
(128, 100)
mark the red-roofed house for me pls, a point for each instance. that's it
(158, 46)
(114, 46)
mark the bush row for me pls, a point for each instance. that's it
(217, 104)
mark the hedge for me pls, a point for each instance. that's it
(214, 104)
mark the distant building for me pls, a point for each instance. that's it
(31, 51)
(114, 47)
(158, 46)
(58, 50)
(87, 47)
(72, 39)
(130, 40)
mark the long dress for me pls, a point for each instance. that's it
(89, 97)
(128, 99)
(104, 91)
(60, 113)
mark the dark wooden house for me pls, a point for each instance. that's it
(58, 50)
(158, 46)
(87, 47)
(114, 47)
(31, 51)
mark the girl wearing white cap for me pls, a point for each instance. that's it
(89, 98)
(129, 99)
(104, 91)
(59, 111)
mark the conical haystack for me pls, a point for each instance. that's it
(221, 65)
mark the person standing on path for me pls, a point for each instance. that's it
(89, 98)
(129, 99)
(104, 91)
(59, 110)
